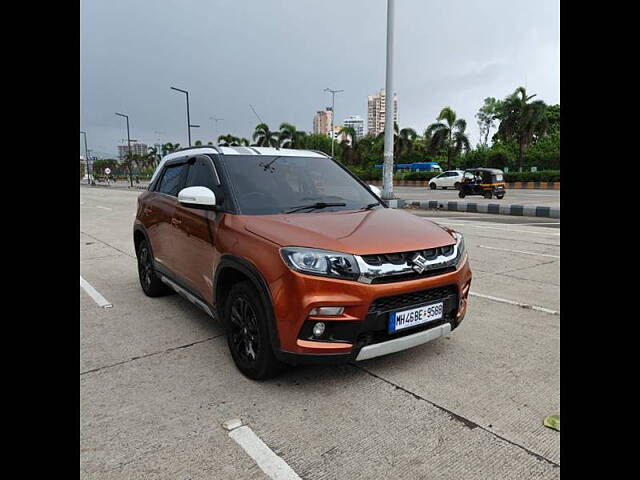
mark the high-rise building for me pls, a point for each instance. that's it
(357, 123)
(322, 122)
(376, 112)
(136, 149)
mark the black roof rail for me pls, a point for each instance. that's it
(321, 153)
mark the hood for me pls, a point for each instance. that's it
(382, 230)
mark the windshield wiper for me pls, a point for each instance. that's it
(370, 206)
(316, 205)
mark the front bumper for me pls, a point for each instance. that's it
(361, 331)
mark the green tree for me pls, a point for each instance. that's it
(228, 140)
(265, 137)
(487, 116)
(449, 137)
(154, 155)
(316, 141)
(169, 147)
(521, 119)
(287, 136)
(405, 142)
(349, 146)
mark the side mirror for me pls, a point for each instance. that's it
(197, 197)
(375, 190)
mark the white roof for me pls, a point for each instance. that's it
(284, 152)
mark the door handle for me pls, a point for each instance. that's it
(175, 222)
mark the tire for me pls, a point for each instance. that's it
(456, 185)
(461, 194)
(432, 186)
(245, 320)
(151, 284)
(500, 196)
(488, 195)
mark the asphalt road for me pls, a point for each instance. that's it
(157, 380)
(544, 198)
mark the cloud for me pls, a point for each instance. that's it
(279, 55)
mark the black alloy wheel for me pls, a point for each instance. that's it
(245, 320)
(151, 285)
(245, 337)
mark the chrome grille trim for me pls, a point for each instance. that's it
(369, 272)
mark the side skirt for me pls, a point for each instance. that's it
(188, 296)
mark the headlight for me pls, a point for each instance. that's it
(460, 243)
(321, 262)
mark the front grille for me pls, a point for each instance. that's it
(413, 276)
(400, 258)
(395, 302)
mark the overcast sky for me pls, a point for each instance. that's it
(279, 55)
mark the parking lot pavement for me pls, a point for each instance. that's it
(543, 198)
(157, 380)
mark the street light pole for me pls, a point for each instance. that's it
(333, 113)
(129, 146)
(387, 171)
(86, 156)
(188, 118)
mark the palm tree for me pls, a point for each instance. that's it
(486, 118)
(287, 135)
(405, 140)
(228, 140)
(521, 119)
(169, 147)
(154, 155)
(350, 151)
(244, 142)
(265, 137)
(449, 136)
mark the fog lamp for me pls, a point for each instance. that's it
(327, 311)
(318, 329)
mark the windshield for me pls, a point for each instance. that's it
(268, 184)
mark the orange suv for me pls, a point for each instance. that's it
(300, 260)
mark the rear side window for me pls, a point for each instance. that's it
(201, 174)
(172, 179)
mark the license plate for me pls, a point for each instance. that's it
(415, 316)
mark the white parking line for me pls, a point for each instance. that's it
(553, 234)
(94, 294)
(270, 463)
(513, 302)
(519, 251)
(104, 208)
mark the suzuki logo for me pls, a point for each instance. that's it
(419, 263)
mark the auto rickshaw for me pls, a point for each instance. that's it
(482, 181)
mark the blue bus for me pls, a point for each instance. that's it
(415, 167)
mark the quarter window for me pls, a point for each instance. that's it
(201, 174)
(172, 179)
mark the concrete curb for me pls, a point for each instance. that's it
(120, 187)
(493, 208)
